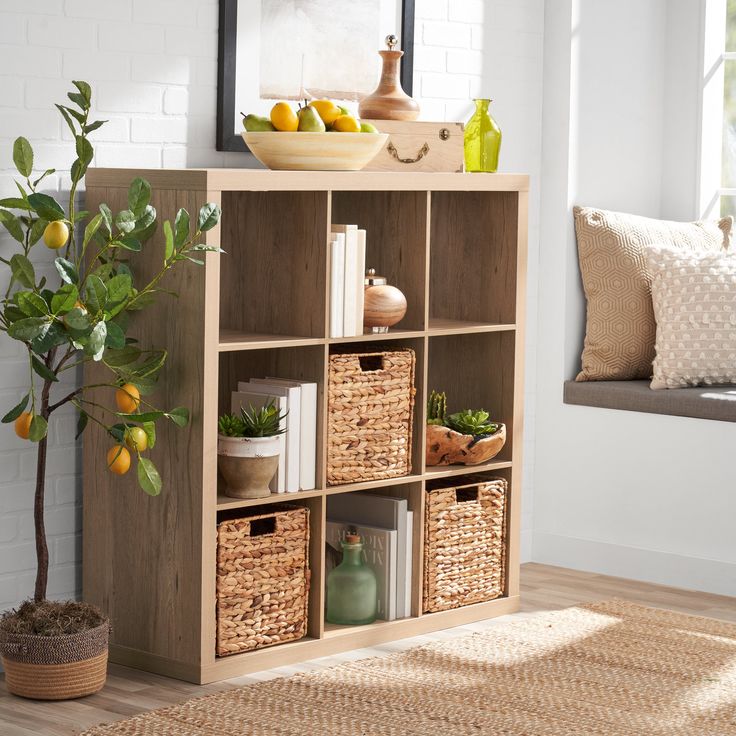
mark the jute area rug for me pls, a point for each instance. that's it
(614, 669)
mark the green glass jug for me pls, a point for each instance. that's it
(482, 141)
(352, 590)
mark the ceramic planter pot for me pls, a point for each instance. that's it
(55, 667)
(248, 464)
(447, 447)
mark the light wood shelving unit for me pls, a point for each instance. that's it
(455, 244)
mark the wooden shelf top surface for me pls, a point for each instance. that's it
(264, 180)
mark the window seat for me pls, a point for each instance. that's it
(704, 402)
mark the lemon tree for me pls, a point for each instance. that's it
(86, 314)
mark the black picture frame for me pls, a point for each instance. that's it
(228, 139)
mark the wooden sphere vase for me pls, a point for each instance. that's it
(447, 447)
(383, 305)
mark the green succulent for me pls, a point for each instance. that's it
(230, 425)
(436, 408)
(263, 422)
(475, 422)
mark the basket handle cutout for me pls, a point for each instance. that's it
(261, 527)
(465, 495)
(370, 362)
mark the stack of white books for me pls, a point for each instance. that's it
(347, 280)
(385, 526)
(298, 399)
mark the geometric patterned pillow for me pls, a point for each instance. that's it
(620, 327)
(694, 300)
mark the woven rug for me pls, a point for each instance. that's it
(614, 669)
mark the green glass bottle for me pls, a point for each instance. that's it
(352, 590)
(482, 141)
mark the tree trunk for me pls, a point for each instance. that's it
(42, 549)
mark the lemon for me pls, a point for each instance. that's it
(23, 425)
(346, 124)
(118, 460)
(56, 234)
(283, 117)
(128, 398)
(327, 109)
(136, 439)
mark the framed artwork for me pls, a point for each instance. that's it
(271, 50)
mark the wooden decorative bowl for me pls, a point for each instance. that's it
(315, 151)
(447, 447)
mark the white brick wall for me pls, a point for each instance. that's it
(153, 68)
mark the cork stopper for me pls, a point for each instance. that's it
(352, 539)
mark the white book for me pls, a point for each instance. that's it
(349, 328)
(307, 430)
(380, 549)
(337, 283)
(409, 561)
(360, 283)
(246, 399)
(292, 424)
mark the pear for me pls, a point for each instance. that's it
(310, 121)
(368, 128)
(253, 123)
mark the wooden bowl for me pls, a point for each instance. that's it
(315, 151)
(447, 447)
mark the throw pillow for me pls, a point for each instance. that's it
(694, 299)
(620, 329)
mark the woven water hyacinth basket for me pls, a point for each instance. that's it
(369, 417)
(55, 667)
(464, 544)
(262, 579)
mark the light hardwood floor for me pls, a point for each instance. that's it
(543, 588)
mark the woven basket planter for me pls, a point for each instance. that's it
(55, 667)
(464, 543)
(447, 447)
(369, 416)
(262, 579)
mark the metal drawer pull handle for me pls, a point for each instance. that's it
(391, 148)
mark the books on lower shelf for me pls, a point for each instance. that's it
(379, 520)
(347, 285)
(297, 458)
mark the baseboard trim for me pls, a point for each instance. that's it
(651, 566)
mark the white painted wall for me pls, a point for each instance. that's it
(629, 494)
(152, 65)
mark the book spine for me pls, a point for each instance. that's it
(360, 282)
(349, 328)
(337, 284)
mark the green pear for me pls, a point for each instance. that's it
(368, 128)
(344, 110)
(253, 123)
(310, 121)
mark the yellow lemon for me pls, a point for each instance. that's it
(346, 124)
(56, 234)
(128, 398)
(23, 425)
(136, 439)
(118, 460)
(283, 117)
(327, 109)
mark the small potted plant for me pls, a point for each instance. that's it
(248, 449)
(468, 437)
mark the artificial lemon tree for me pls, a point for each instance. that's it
(86, 314)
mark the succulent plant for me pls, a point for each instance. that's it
(436, 408)
(262, 422)
(230, 425)
(469, 421)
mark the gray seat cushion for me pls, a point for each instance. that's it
(704, 402)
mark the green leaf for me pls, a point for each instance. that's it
(122, 357)
(39, 428)
(151, 366)
(46, 173)
(81, 215)
(118, 288)
(64, 299)
(26, 329)
(12, 225)
(77, 319)
(95, 293)
(23, 271)
(15, 203)
(139, 195)
(169, 238)
(115, 336)
(67, 271)
(147, 416)
(181, 228)
(92, 227)
(43, 370)
(18, 409)
(84, 89)
(31, 304)
(23, 156)
(146, 223)
(78, 100)
(128, 243)
(150, 429)
(180, 416)
(106, 218)
(93, 126)
(65, 114)
(117, 432)
(81, 423)
(209, 216)
(198, 261)
(125, 221)
(141, 301)
(37, 230)
(51, 334)
(47, 207)
(148, 477)
(96, 344)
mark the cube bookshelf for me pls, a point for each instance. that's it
(455, 244)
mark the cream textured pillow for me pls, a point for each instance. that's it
(620, 329)
(694, 298)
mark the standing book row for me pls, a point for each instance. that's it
(347, 280)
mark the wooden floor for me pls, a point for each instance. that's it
(129, 691)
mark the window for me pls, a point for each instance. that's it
(728, 157)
